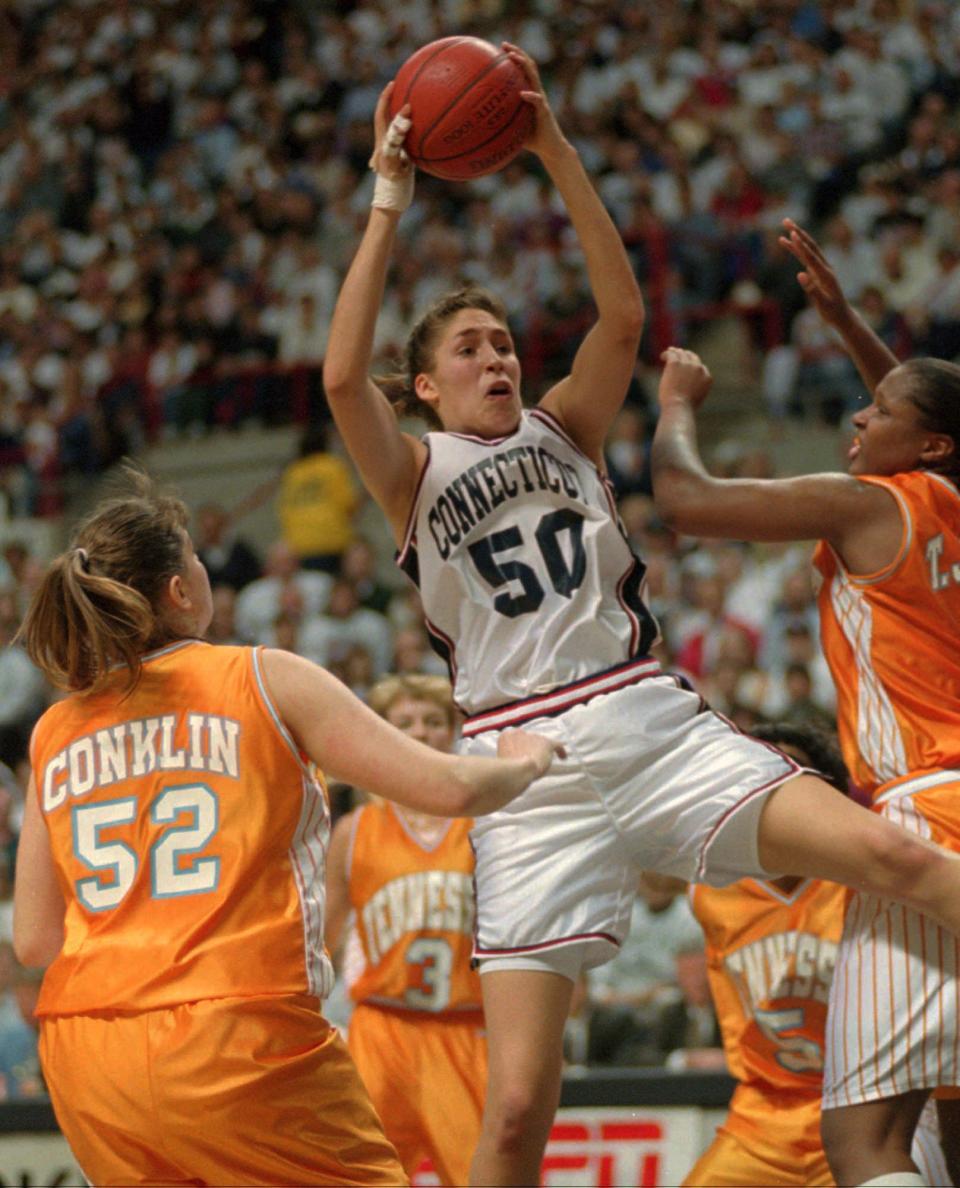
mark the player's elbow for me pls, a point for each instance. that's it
(338, 384)
(679, 497)
(343, 376)
(36, 947)
(633, 314)
(626, 319)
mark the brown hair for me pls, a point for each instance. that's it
(416, 685)
(97, 605)
(421, 343)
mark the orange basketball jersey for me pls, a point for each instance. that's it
(189, 841)
(770, 960)
(414, 912)
(890, 639)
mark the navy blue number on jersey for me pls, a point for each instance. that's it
(565, 575)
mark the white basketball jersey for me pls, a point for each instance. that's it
(527, 579)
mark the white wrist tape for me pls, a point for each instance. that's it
(396, 133)
(393, 193)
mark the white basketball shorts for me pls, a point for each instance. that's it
(652, 780)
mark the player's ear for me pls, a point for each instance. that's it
(177, 594)
(938, 448)
(426, 389)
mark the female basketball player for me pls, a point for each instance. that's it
(771, 954)
(171, 868)
(889, 555)
(416, 1033)
(506, 522)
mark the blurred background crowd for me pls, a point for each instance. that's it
(182, 186)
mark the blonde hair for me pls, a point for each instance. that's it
(98, 604)
(419, 686)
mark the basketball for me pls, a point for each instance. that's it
(467, 115)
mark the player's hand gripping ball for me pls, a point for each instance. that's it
(466, 113)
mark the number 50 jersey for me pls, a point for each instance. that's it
(527, 579)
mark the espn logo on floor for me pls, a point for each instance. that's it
(618, 1147)
(603, 1154)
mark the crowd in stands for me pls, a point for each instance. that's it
(181, 188)
(181, 185)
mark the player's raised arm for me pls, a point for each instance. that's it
(348, 741)
(855, 517)
(590, 397)
(872, 357)
(388, 460)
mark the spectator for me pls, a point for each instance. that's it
(358, 565)
(303, 331)
(19, 1062)
(412, 653)
(223, 624)
(318, 497)
(23, 691)
(328, 637)
(627, 452)
(230, 561)
(262, 600)
(711, 626)
(633, 1000)
(19, 573)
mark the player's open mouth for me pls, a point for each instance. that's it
(854, 449)
(500, 390)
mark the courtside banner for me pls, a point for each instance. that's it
(619, 1147)
(37, 1161)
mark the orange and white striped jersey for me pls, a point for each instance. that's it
(770, 961)
(890, 639)
(188, 836)
(414, 910)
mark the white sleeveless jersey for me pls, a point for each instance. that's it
(527, 579)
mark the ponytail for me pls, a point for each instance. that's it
(98, 605)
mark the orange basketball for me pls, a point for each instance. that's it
(467, 115)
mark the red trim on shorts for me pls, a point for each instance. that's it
(564, 697)
(551, 944)
(795, 770)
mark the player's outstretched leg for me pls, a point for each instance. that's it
(808, 828)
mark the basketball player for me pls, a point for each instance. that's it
(416, 1032)
(889, 556)
(505, 520)
(171, 867)
(771, 951)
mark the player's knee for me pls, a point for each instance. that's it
(518, 1114)
(902, 859)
